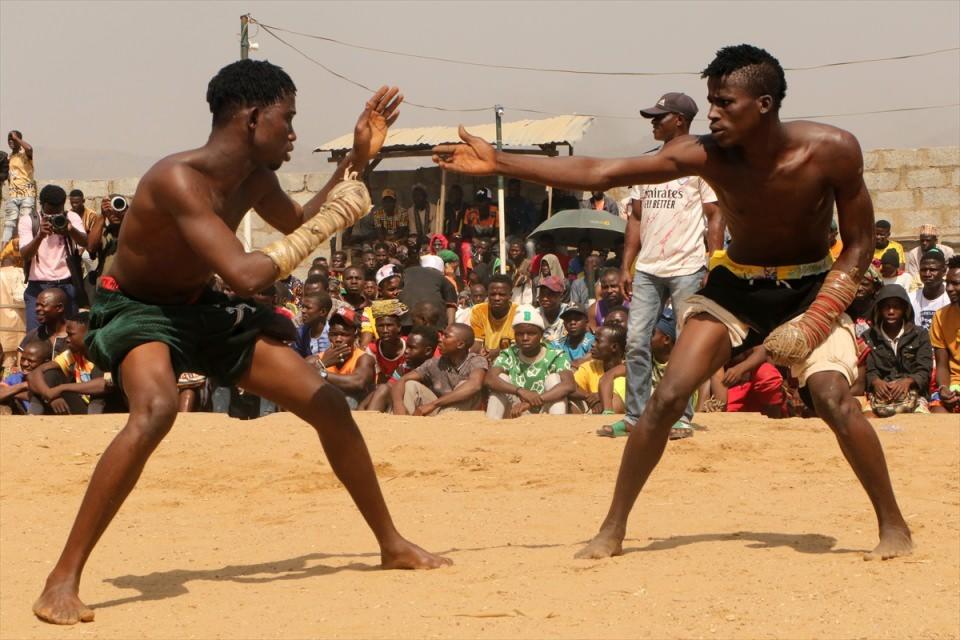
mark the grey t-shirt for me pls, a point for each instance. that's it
(442, 376)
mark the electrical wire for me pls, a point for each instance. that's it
(471, 63)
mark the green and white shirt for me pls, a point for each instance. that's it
(532, 374)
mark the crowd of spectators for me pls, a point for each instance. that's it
(404, 320)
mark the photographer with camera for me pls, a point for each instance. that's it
(48, 242)
(102, 238)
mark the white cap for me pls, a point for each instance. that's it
(431, 261)
(528, 314)
(386, 271)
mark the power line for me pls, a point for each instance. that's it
(472, 63)
(356, 83)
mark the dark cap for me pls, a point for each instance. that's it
(672, 103)
(572, 309)
(667, 324)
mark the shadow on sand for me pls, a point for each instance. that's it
(800, 542)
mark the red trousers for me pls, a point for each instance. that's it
(764, 388)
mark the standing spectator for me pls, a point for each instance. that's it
(79, 206)
(900, 360)
(890, 269)
(453, 211)
(50, 310)
(345, 365)
(45, 243)
(12, 315)
(529, 376)
(606, 356)
(883, 242)
(390, 221)
(945, 339)
(481, 220)
(491, 321)
(929, 241)
(599, 201)
(422, 213)
(424, 282)
(933, 294)
(102, 239)
(519, 213)
(549, 298)
(518, 268)
(22, 192)
(578, 341)
(664, 239)
(484, 262)
(450, 382)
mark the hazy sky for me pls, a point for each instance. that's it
(103, 89)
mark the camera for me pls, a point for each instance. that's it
(119, 204)
(58, 221)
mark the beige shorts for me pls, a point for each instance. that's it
(837, 353)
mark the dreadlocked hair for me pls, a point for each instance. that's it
(247, 83)
(754, 67)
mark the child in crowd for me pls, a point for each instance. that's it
(389, 286)
(388, 349)
(51, 389)
(529, 376)
(312, 336)
(578, 342)
(370, 288)
(14, 390)
(901, 358)
(748, 383)
(421, 344)
(345, 365)
(607, 354)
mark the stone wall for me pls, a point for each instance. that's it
(909, 187)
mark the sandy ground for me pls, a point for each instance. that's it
(753, 528)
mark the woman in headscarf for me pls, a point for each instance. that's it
(437, 242)
(550, 266)
(451, 262)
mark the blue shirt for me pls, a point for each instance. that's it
(580, 351)
(306, 345)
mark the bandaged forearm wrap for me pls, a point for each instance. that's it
(347, 202)
(792, 342)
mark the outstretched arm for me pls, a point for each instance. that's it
(681, 157)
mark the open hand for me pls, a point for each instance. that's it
(476, 157)
(378, 114)
(531, 398)
(60, 406)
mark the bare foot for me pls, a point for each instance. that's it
(59, 604)
(604, 545)
(894, 542)
(406, 555)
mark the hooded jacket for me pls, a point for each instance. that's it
(914, 356)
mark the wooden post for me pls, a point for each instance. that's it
(549, 202)
(438, 223)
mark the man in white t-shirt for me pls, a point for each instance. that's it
(665, 237)
(933, 294)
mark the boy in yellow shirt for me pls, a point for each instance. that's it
(607, 354)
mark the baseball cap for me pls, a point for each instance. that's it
(386, 271)
(345, 316)
(554, 283)
(528, 314)
(572, 309)
(484, 193)
(672, 103)
(388, 193)
(667, 326)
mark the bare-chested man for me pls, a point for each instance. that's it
(155, 317)
(777, 184)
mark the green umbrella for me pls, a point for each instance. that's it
(603, 229)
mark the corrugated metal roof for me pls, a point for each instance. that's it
(522, 133)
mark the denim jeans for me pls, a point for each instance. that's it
(15, 208)
(34, 288)
(650, 293)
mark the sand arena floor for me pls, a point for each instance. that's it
(753, 528)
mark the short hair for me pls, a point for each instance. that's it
(58, 294)
(80, 317)
(610, 270)
(53, 195)
(428, 334)
(617, 308)
(501, 278)
(934, 254)
(954, 262)
(465, 331)
(76, 193)
(12, 131)
(883, 224)
(380, 244)
(617, 333)
(247, 83)
(322, 298)
(43, 346)
(759, 71)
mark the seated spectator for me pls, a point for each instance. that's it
(390, 221)
(50, 309)
(389, 287)
(312, 336)
(578, 262)
(476, 294)
(454, 210)
(900, 360)
(381, 255)
(370, 288)
(933, 294)
(519, 213)
(583, 288)
(421, 345)
(14, 390)
(353, 289)
(607, 354)
(72, 384)
(270, 297)
(529, 377)
(518, 268)
(193, 391)
(546, 245)
(345, 365)
(491, 320)
(424, 282)
(748, 383)
(388, 349)
(485, 264)
(550, 268)
(617, 317)
(611, 295)
(578, 341)
(464, 307)
(451, 268)
(929, 241)
(945, 339)
(834, 242)
(549, 296)
(883, 242)
(12, 314)
(890, 270)
(427, 314)
(451, 382)
(338, 262)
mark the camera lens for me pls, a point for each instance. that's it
(119, 203)
(58, 221)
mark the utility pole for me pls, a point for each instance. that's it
(498, 110)
(244, 50)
